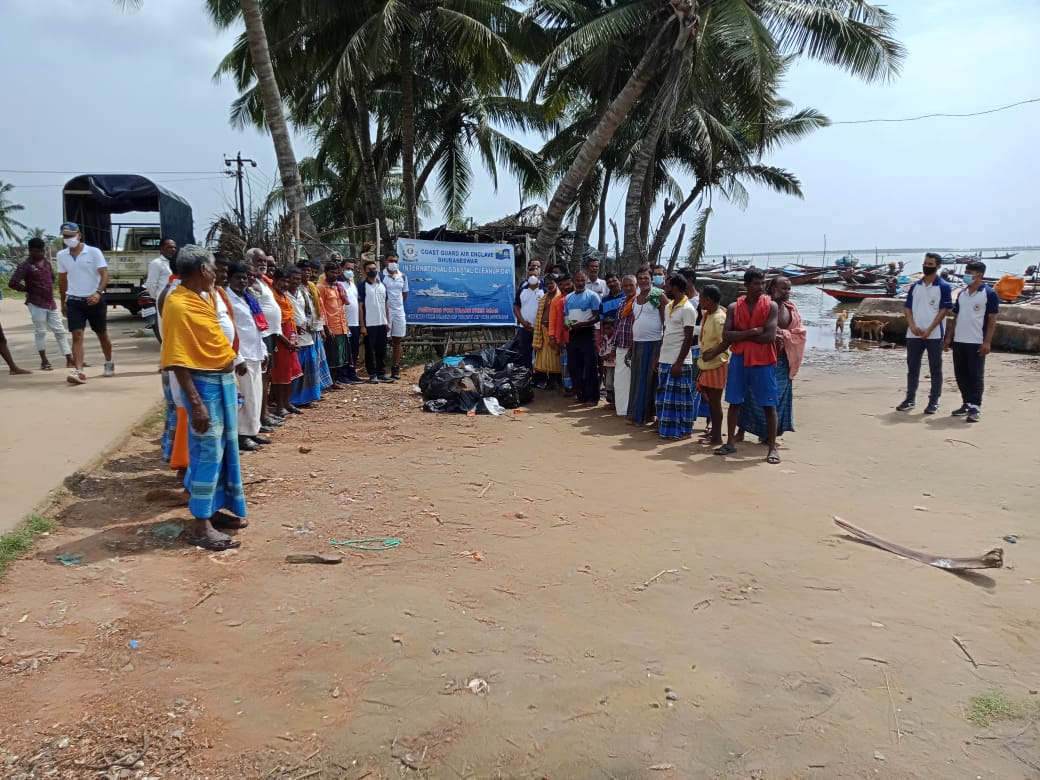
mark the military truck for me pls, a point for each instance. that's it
(90, 200)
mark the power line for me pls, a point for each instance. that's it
(142, 173)
(934, 116)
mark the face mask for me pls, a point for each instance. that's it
(349, 275)
(928, 271)
(71, 243)
(658, 279)
(391, 267)
(532, 280)
(372, 274)
(969, 279)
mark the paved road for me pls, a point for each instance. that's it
(48, 428)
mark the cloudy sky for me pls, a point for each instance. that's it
(93, 89)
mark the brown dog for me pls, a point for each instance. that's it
(873, 330)
(839, 324)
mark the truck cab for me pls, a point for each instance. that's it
(91, 200)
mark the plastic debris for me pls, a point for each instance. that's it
(68, 559)
(134, 644)
(1010, 539)
(167, 531)
(478, 685)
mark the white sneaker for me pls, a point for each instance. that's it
(76, 377)
(110, 369)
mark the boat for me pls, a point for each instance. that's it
(854, 296)
(436, 292)
(804, 278)
(1005, 256)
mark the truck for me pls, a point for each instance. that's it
(90, 200)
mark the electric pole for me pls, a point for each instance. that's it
(239, 174)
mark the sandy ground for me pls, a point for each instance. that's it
(52, 429)
(530, 548)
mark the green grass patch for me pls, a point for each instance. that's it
(995, 706)
(16, 543)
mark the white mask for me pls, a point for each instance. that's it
(71, 243)
(391, 267)
(532, 280)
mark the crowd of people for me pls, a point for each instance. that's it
(245, 344)
(663, 355)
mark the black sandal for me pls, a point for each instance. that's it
(46, 366)
(221, 520)
(215, 545)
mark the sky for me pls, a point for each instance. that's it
(94, 89)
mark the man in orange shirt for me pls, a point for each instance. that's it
(337, 337)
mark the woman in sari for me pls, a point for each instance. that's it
(647, 330)
(558, 334)
(622, 342)
(546, 359)
(285, 368)
(201, 360)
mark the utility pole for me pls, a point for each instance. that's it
(239, 174)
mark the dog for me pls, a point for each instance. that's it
(839, 324)
(870, 330)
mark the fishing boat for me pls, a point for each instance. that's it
(804, 278)
(854, 296)
(1005, 256)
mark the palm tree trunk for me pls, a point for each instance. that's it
(669, 221)
(594, 145)
(601, 245)
(675, 249)
(583, 225)
(369, 178)
(275, 116)
(634, 252)
(411, 214)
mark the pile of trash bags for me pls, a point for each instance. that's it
(485, 381)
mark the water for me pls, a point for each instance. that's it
(820, 311)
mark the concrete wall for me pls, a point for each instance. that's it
(1018, 327)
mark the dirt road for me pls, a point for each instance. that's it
(571, 571)
(52, 429)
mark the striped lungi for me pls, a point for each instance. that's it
(753, 416)
(676, 409)
(643, 383)
(307, 387)
(214, 477)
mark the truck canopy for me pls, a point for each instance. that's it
(90, 201)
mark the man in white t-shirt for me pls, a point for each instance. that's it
(526, 310)
(594, 283)
(928, 303)
(971, 335)
(375, 321)
(261, 264)
(675, 390)
(353, 310)
(82, 279)
(396, 284)
(159, 268)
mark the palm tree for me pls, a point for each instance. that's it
(9, 226)
(225, 13)
(854, 35)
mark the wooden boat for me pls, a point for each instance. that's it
(1005, 256)
(854, 296)
(806, 278)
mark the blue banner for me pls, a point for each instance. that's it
(458, 284)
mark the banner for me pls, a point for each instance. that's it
(458, 284)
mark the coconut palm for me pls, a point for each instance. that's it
(9, 226)
(225, 13)
(853, 35)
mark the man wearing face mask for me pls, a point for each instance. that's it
(928, 303)
(526, 311)
(82, 279)
(375, 320)
(396, 284)
(658, 278)
(353, 312)
(970, 335)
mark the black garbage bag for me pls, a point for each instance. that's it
(513, 386)
(439, 405)
(459, 385)
(496, 358)
(428, 374)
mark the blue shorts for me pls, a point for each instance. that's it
(761, 380)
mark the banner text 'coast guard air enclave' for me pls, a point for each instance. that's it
(458, 284)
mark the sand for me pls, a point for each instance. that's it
(531, 550)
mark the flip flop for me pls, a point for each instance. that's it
(214, 545)
(220, 520)
(773, 457)
(46, 367)
(726, 449)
